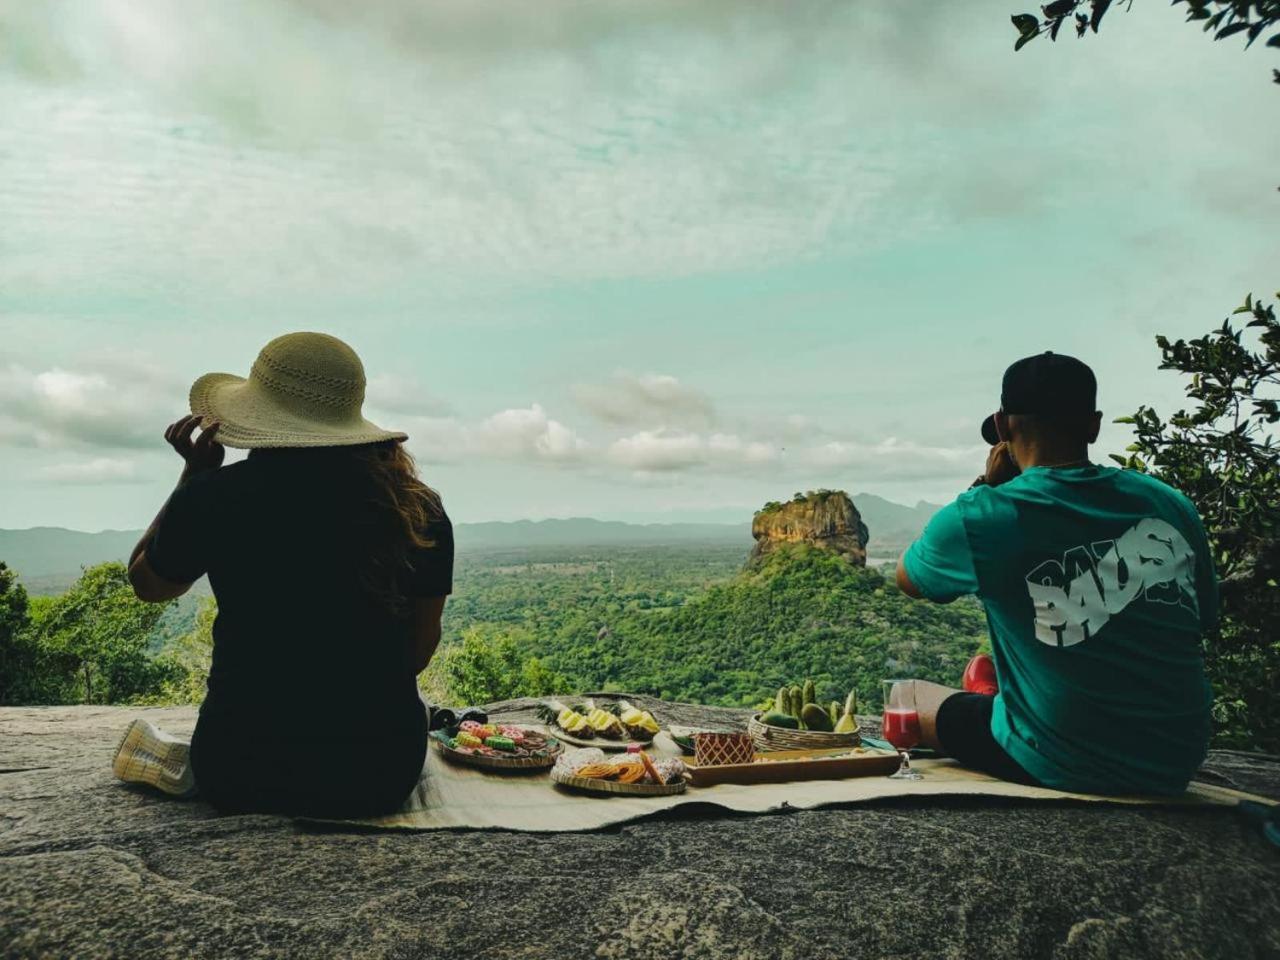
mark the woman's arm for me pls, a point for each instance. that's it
(427, 612)
(200, 455)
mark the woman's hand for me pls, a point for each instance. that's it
(203, 453)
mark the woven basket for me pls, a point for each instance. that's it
(720, 748)
(554, 749)
(622, 789)
(781, 738)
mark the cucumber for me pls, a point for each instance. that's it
(776, 719)
(808, 692)
(815, 718)
(851, 703)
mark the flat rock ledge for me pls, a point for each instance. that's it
(92, 868)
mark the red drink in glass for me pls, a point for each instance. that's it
(902, 727)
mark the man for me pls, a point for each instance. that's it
(1098, 584)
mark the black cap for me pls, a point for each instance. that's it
(1049, 385)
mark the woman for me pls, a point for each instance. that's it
(330, 561)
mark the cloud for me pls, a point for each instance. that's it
(652, 398)
(892, 457)
(674, 450)
(99, 470)
(560, 139)
(657, 451)
(527, 433)
(395, 394)
(516, 434)
(112, 403)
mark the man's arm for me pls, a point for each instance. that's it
(938, 566)
(904, 581)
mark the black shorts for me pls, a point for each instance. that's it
(964, 731)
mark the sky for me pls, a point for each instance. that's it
(654, 261)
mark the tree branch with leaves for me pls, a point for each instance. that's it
(1221, 452)
(1225, 18)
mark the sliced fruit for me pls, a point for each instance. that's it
(604, 724)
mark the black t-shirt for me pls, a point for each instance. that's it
(299, 643)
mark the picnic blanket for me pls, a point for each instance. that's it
(453, 797)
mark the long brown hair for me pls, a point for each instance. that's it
(404, 505)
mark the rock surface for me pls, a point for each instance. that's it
(826, 519)
(91, 868)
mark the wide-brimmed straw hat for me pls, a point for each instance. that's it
(305, 390)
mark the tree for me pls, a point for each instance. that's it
(489, 665)
(1222, 454)
(187, 659)
(15, 656)
(95, 637)
(1226, 18)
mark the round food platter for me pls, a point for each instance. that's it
(604, 743)
(682, 737)
(592, 785)
(485, 758)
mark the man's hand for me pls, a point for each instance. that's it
(203, 453)
(1000, 465)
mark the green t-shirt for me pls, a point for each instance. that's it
(1097, 584)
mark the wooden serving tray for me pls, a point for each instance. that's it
(781, 766)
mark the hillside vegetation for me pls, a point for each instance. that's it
(678, 622)
(803, 613)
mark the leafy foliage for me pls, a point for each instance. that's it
(16, 657)
(1222, 454)
(490, 665)
(89, 645)
(185, 660)
(803, 612)
(812, 496)
(1225, 18)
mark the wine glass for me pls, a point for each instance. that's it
(901, 724)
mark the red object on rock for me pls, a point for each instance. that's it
(980, 676)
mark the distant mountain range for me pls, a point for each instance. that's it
(44, 556)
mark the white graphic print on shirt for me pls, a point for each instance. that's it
(1075, 597)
